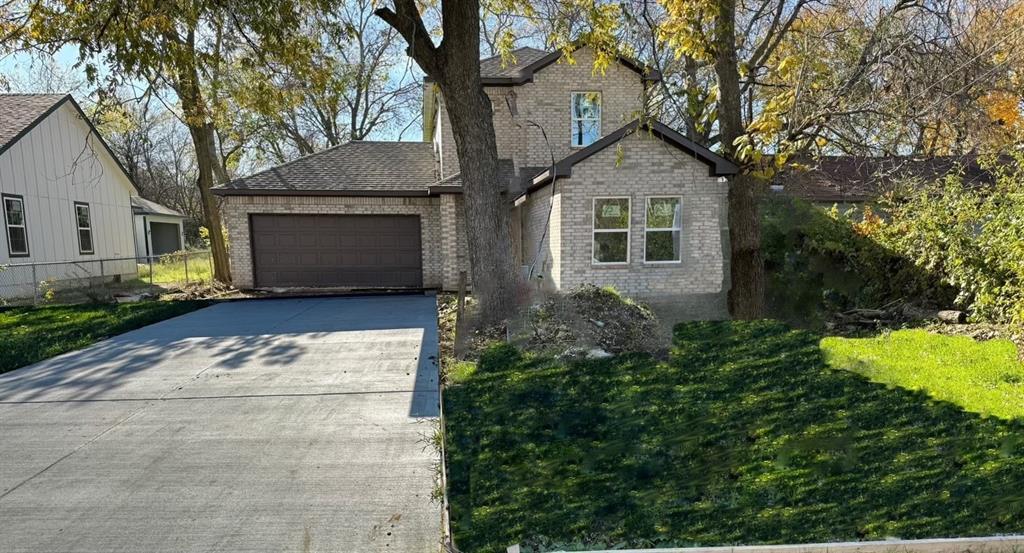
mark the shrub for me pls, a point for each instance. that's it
(820, 261)
(940, 244)
(971, 237)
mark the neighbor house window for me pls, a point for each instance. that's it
(611, 231)
(84, 223)
(14, 219)
(663, 229)
(586, 118)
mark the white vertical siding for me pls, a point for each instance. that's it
(55, 165)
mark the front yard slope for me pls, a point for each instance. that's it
(744, 436)
(31, 334)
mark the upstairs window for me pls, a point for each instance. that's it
(14, 220)
(84, 223)
(663, 229)
(611, 231)
(586, 118)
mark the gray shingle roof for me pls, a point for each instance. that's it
(357, 167)
(142, 206)
(527, 61)
(19, 111)
(506, 176)
(492, 67)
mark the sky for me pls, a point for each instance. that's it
(56, 74)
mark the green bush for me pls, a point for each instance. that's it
(940, 244)
(820, 261)
(971, 237)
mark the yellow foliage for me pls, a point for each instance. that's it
(1002, 107)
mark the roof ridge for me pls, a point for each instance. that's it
(285, 164)
(385, 142)
(55, 94)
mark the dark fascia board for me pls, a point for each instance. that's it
(420, 192)
(718, 166)
(445, 189)
(527, 72)
(92, 128)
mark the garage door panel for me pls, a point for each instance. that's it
(337, 250)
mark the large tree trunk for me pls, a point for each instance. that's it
(485, 203)
(206, 162)
(746, 295)
(455, 67)
(201, 129)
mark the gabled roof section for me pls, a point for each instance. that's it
(142, 206)
(528, 61)
(20, 113)
(356, 168)
(718, 166)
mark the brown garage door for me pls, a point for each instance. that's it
(349, 251)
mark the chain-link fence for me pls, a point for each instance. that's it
(91, 279)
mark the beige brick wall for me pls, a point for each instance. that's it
(649, 167)
(546, 101)
(442, 255)
(537, 246)
(454, 247)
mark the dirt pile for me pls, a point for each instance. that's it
(590, 321)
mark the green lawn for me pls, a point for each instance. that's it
(984, 377)
(31, 334)
(744, 436)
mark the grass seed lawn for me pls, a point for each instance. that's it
(171, 269)
(744, 436)
(31, 334)
(984, 377)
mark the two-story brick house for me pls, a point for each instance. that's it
(628, 202)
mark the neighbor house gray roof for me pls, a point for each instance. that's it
(524, 62)
(357, 168)
(833, 179)
(19, 112)
(142, 206)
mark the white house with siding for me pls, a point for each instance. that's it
(65, 198)
(159, 230)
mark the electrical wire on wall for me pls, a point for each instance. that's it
(510, 101)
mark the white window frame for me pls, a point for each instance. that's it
(648, 228)
(79, 229)
(594, 230)
(573, 119)
(4, 198)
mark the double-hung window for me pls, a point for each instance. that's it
(83, 221)
(611, 231)
(586, 118)
(14, 221)
(663, 229)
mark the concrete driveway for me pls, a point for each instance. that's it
(263, 425)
